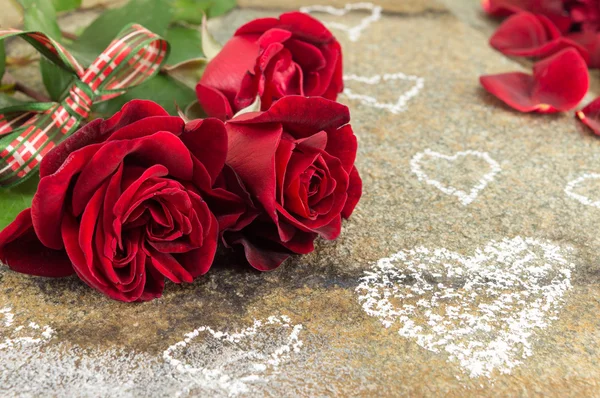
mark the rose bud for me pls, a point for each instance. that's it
(121, 204)
(294, 164)
(272, 58)
(558, 84)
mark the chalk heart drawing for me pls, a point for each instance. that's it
(569, 189)
(394, 107)
(353, 32)
(483, 311)
(12, 335)
(232, 362)
(464, 197)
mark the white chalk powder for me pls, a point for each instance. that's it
(353, 32)
(482, 310)
(206, 363)
(394, 107)
(464, 197)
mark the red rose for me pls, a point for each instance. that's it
(120, 203)
(295, 164)
(272, 58)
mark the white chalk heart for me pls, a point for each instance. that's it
(481, 310)
(582, 198)
(353, 32)
(464, 197)
(223, 361)
(393, 107)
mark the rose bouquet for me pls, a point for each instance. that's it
(143, 196)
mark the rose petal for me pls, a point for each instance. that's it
(558, 83)
(590, 116)
(251, 154)
(159, 148)
(529, 35)
(207, 141)
(48, 203)
(553, 9)
(303, 116)
(354, 193)
(591, 42)
(23, 252)
(213, 102)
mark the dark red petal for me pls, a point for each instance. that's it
(354, 193)
(336, 84)
(89, 134)
(273, 36)
(558, 83)
(332, 230)
(167, 265)
(159, 148)
(303, 116)
(553, 9)
(590, 116)
(305, 27)
(207, 141)
(149, 126)
(198, 262)
(257, 26)
(226, 71)
(529, 35)
(49, 200)
(251, 154)
(262, 258)
(342, 144)
(591, 42)
(213, 102)
(23, 252)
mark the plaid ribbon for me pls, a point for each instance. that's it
(31, 130)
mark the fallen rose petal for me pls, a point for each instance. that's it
(590, 116)
(553, 9)
(558, 83)
(591, 42)
(529, 35)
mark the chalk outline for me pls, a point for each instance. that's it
(462, 196)
(581, 198)
(221, 379)
(401, 103)
(547, 303)
(353, 32)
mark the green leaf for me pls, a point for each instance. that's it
(186, 43)
(161, 89)
(2, 59)
(66, 5)
(40, 15)
(220, 7)
(56, 79)
(16, 199)
(191, 11)
(154, 15)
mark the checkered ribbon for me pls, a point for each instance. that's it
(31, 130)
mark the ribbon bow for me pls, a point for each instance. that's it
(31, 130)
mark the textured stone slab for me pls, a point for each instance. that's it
(448, 170)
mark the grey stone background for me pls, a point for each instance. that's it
(103, 348)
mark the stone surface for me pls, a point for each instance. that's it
(420, 166)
